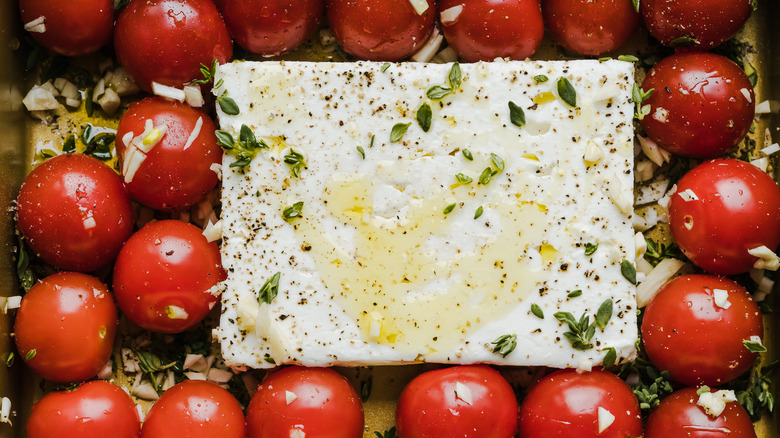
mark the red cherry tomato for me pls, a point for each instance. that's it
(66, 31)
(163, 274)
(566, 404)
(482, 30)
(195, 409)
(380, 30)
(166, 41)
(464, 401)
(170, 177)
(687, 332)
(271, 27)
(65, 327)
(700, 24)
(74, 212)
(737, 209)
(590, 27)
(311, 402)
(96, 409)
(702, 106)
(678, 416)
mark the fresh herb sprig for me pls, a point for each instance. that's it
(656, 251)
(296, 160)
(455, 79)
(504, 345)
(245, 149)
(640, 96)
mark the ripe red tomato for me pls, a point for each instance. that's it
(700, 24)
(738, 209)
(271, 27)
(464, 401)
(482, 30)
(166, 41)
(678, 416)
(74, 212)
(686, 333)
(66, 30)
(163, 274)
(195, 409)
(566, 404)
(171, 177)
(95, 409)
(590, 27)
(65, 327)
(380, 30)
(310, 402)
(703, 104)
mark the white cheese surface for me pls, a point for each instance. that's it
(374, 271)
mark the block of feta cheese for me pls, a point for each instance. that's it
(399, 213)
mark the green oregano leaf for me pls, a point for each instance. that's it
(567, 92)
(293, 211)
(479, 212)
(398, 131)
(609, 358)
(228, 105)
(455, 76)
(590, 248)
(629, 271)
(604, 314)
(448, 209)
(463, 179)
(467, 154)
(424, 117)
(516, 114)
(437, 92)
(537, 311)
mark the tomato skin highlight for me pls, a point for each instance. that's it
(170, 177)
(195, 409)
(590, 27)
(489, 29)
(165, 268)
(325, 405)
(706, 23)
(67, 32)
(429, 406)
(738, 209)
(271, 27)
(697, 341)
(380, 30)
(96, 409)
(565, 404)
(678, 416)
(698, 108)
(66, 326)
(166, 41)
(74, 212)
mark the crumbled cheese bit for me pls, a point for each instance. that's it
(664, 201)
(721, 298)
(194, 134)
(290, 396)
(584, 366)
(767, 107)
(420, 6)
(650, 193)
(36, 26)
(463, 393)
(605, 419)
(171, 93)
(661, 115)
(767, 259)
(688, 195)
(645, 170)
(451, 15)
(662, 273)
(297, 433)
(771, 149)
(714, 403)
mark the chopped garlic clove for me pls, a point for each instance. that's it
(171, 93)
(767, 107)
(451, 15)
(213, 231)
(5, 411)
(605, 419)
(429, 49)
(463, 393)
(767, 259)
(661, 274)
(36, 26)
(40, 98)
(420, 6)
(290, 396)
(193, 96)
(110, 101)
(194, 134)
